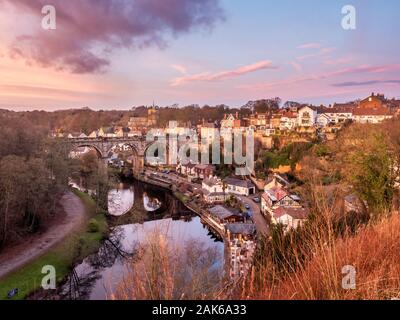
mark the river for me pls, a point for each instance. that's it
(141, 213)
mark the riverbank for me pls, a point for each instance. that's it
(238, 252)
(78, 242)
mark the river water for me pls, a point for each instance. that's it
(142, 213)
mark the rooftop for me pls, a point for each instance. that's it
(296, 213)
(276, 194)
(337, 109)
(241, 228)
(239, 183)
(222, 212)
(289, 114)
(372, 112)
(212, 181)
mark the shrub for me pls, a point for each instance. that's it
(322, 150)
(93, 226)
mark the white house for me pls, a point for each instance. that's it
(371, 115)
(291, 218)
(323, 120)
(278, 197)
(213, 190)
(228, 121)
(307, 116)
(288, 121)
(240, 187)
(259, 121)
(339, 113)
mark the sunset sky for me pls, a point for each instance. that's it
(121, 53)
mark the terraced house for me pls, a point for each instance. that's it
(282, 207)
(374, 109)
(278, 197)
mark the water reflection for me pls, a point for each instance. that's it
(151, 203)
(97, 277)
(122, 200)
(85, 282)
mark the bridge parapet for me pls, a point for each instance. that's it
(104, 145)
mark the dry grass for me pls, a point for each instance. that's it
(164, 271)
(373, 251)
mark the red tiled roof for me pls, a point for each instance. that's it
(336, 109)
(344, 105)
(289, 114)
(378, 96)
(277, 192)
(371, 112)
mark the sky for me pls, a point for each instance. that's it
(116, 54)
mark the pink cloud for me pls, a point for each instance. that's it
(322, 76)
(223, 75)
(367, 83)
(312, 45)
(320, 53)
(88, 31)
(297, 66)
(343, 60)
(179, 68)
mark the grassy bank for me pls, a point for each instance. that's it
(63, 256)
(181, 197)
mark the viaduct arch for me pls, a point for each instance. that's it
(103, 146)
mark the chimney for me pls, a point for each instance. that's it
(237, 115)
(373, 94)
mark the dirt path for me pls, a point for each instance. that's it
(18, 256)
